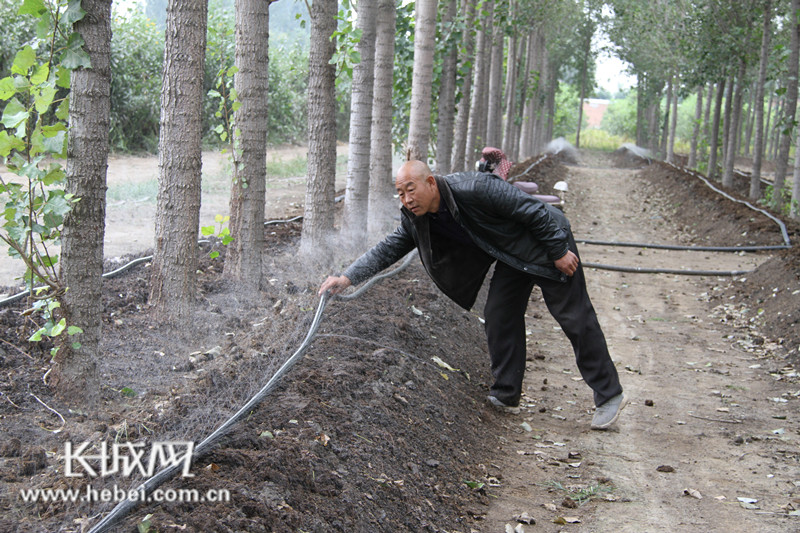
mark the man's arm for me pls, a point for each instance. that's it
(384, 254)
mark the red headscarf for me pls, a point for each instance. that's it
(498, 159)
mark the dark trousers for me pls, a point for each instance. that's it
(504, 313)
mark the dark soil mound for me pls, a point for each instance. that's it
(367, 433)
(544, 170)
(771, 294)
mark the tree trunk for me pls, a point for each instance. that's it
(794, 210)
(382, 207)
(550, 101)
(527, 103)
(84, 226)
(707, 123)
(767, 129)
(494, 124)
(726, 119)
(419, 128)
(526, 59)
(248, 192)
(713, 148)
(173, 279)
(512, 68)
(476, 132)
(790, 104)
(730, 155)
(356, 201)
(748, 136)
(758, 100)
(318, 213)
(586, 51)
(674, 121)
(464, 105)
(641, 111)
(665, 126)
(447, 93)
(541, 118)
(698, 115)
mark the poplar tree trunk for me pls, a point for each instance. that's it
(665, 126)
(673, 122)
(419, 129)
(84, 226)
(730, 156)
(356, 201)
(751, 115)
(698, 115)
(586, 50)
(318, 213)
(494, 123)
(707, 122)
(173, 278)
(790, 104)
(512, 69)
(382, 206)
(447, 94)
(476, 132)
(714, 142)
(726, 119)
(243, 257)
(464, 105)
(758, 100)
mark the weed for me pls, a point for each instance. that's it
(578, 493)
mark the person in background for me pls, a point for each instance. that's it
(463, 223)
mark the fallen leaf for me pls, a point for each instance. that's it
(550, 507)
(666, 468)
(438, 360)
(747, 500)
(526, 426)
(693, 493)
(213, 467)
(416, 311)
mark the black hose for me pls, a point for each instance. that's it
(646, 270)
(686, 248)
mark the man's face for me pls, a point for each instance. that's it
(418, 194)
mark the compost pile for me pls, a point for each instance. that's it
(545, 173)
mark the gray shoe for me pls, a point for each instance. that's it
(500, 406)
(607, 414)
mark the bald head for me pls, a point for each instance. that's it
(415, 169)
(417, 188)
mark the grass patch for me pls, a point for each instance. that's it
(578, 493)
(133, 192)
(291, 168)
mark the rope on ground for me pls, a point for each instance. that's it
(147, 487)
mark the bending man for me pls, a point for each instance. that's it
(464, 222)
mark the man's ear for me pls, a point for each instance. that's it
(430, 180)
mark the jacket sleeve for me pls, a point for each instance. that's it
(384, 254)
(546, 226)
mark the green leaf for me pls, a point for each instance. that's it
(76, 345)
(8, 143)
(41, 74)
(75, 56)
(207, 230)
(63, 77)
(227, 240)
(236, 105)
(73, 14)
(23, 61)
(43, 28)
(128, 392)
(59, 328)
(7, 88)
(54, 175)
(49, 260)
(36, 337)
(32, 7)
(14, 114)
(232, 70)
(57, 144)
(62, 112)
(43, 99)
(74, 330)
(213, 255)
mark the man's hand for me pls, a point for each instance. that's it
(334, 284)
(567, 264)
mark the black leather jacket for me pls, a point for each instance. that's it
(506, 225)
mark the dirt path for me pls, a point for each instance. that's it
(711, 410)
